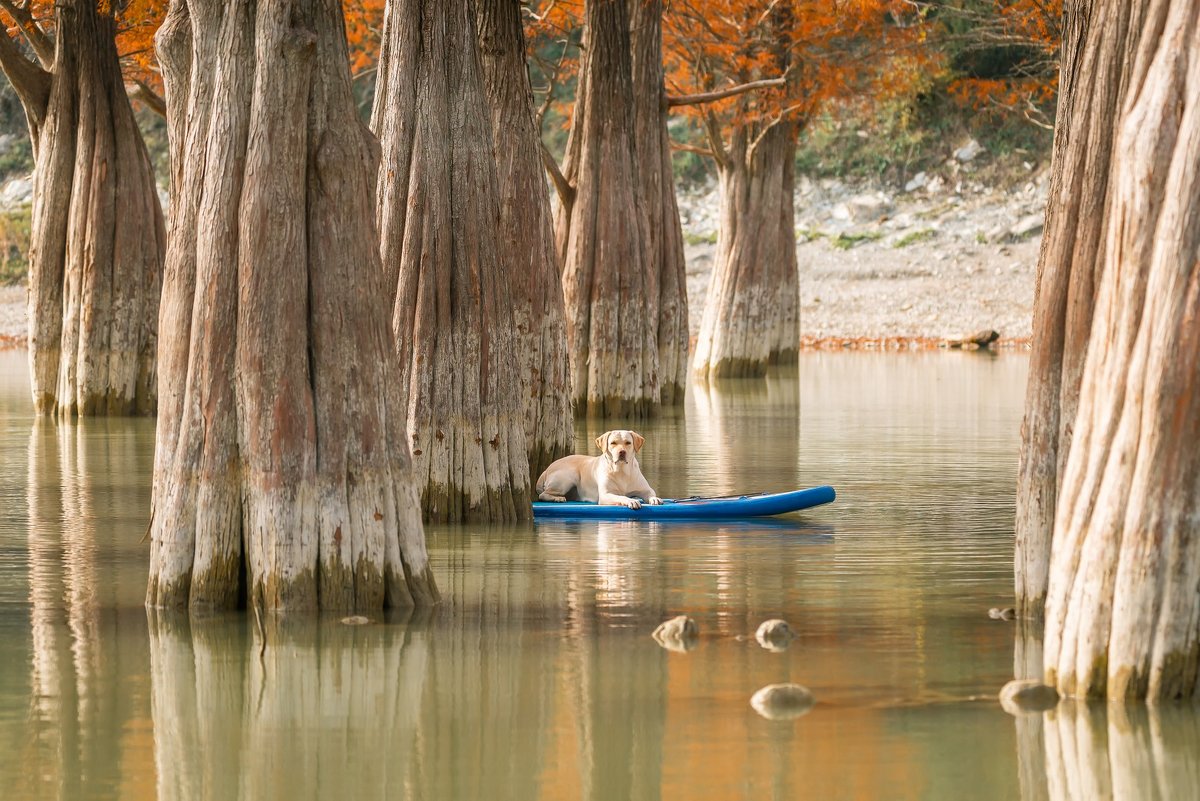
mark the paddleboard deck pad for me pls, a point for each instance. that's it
(724, 508)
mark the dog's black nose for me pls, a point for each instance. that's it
(621, 454)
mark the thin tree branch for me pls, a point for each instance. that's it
(566, 192)
(779, 118)
(687, 148)
(31, 82)
(39, 40)
(552, 74)
(715, 142)
(153, 100)
(721, 94)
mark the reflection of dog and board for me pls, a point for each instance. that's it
(612, 479)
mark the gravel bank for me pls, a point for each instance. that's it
(921, 265)
(940, 261)
(13, 328)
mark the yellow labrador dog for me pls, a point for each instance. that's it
(611, 479)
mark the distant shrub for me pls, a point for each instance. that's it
(14, 245)
(912, 237)
(845, 241)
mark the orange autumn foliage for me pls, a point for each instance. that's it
(139, 20)
(364, 27)
(553, 29)
(1029, 27)
(828, 50)
(137, 23)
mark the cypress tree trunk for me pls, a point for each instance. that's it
(664, 232)
(751, 314)
(97, 237)
(439, 213)
(1122, 605)
(1098, 50)
(281, 451)
(611, 294)
(526, 234)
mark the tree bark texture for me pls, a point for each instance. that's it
(439, 218)
(97, 235)
(526, 234)
(282, 471)
(751, 314)
(1123, 603)
(664, 232)
(1098, 50)
(611, 293)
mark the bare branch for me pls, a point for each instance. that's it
(153, 100)
(779, 118)
(31, 82)
(566, 192)
(542, 17)
(687, 148)
(39, 40)
(715, 142)
(552, 73)
(721, 94)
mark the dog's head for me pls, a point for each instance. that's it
(619, 445)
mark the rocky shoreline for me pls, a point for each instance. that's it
(944, 258)
(905, 270)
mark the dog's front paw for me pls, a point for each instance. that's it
(655, 500)
(633, 503)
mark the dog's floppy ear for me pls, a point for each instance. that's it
(638, 441)
(602, 440)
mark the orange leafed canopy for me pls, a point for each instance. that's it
(825, 49)
(138, 21)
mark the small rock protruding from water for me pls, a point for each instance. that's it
(775, 635)
(782, 701)
(355, 620)
(1002, 613)
(1025, 696)
(677, 634)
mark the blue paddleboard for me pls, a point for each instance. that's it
(727, 508)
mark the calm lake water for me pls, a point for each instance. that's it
(537, 678)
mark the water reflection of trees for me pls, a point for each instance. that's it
(493, 695)
(85, 667)
(557, 654)
(1123, 752)
(322, 710)
(730, 414)
(1083, 750)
